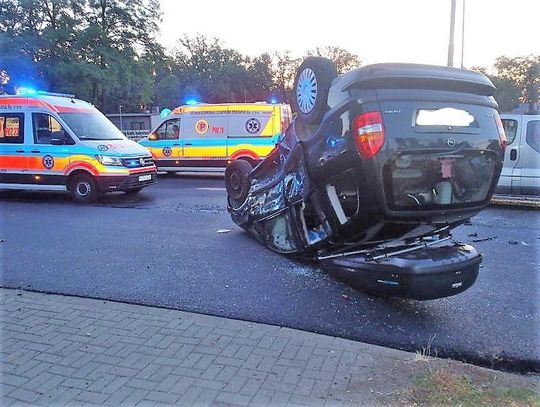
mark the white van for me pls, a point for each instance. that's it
(521, 171)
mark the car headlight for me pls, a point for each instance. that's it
(109, 160)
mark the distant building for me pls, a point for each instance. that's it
(135, 125)
(524, 108)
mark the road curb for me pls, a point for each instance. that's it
(518, 201)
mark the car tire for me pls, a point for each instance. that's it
(237, 181)
(311, 86)
(133, 191)
(83, 188)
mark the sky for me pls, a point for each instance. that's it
(414, 31)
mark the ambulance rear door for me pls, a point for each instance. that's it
(251, 133)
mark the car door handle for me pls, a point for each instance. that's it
(513, 154)
(188, 144)
(20, 151)
(36, 151)
(176, 144)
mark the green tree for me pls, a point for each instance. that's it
(212, 73)
(261, 85)
(101, 50)
(523, 73)
(284, 67)
(344, 60)
(506, 94)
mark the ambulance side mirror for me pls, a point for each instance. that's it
(57, 142)
(58, 138)
(152, 137)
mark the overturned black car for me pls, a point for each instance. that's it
(378, 167)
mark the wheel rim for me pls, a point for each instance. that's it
(84, 188)
(306, 90)
(235, 182)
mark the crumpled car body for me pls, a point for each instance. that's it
(399, 156)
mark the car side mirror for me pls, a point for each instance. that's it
(152, 137)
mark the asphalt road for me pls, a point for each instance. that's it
(163, 248)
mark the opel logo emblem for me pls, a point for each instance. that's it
(141, 161)
(451, 142)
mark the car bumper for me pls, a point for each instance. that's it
(123, 183)
(424, 274)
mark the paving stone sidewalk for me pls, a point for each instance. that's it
(60, 350)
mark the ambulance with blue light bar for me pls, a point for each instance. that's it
(54, 142)
(205, 137)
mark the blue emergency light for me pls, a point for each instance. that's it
(22, 91)
(164, 113)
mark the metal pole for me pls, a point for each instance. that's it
(451, 41)
(463, 34)
(121, 124)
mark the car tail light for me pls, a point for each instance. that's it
(368, 133)
(502, 135)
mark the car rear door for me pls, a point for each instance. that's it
(527, 169)
(509, 181)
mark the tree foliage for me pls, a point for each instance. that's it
(106, 52)
(344, 60)
(517, 81)
(523, 74)
(94, 48)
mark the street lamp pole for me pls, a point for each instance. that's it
(121, 124)
(451, 41)
(463, 34)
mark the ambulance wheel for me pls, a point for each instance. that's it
(237, 181)
(133, 191)
(83, 188)
(311, 86)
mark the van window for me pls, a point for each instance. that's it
(12, 128)
(510, 129)
(92, 126)
(45, 127)
(169, 130)
(533, 135)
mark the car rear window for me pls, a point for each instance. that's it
(533, 135)
(445, 117)
(510, 129)
(12, 128)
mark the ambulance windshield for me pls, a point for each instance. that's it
(92, 126)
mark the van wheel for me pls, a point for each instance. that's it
(237, 181)
(133, 191)
(83, 188)
(311, 86)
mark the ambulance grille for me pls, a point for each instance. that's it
(135, 162)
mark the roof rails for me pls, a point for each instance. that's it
(65, 95)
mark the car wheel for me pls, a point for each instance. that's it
(83, 188)
(133, 191)
(237, 181)
(311, 86)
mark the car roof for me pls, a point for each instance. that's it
(57, 104)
